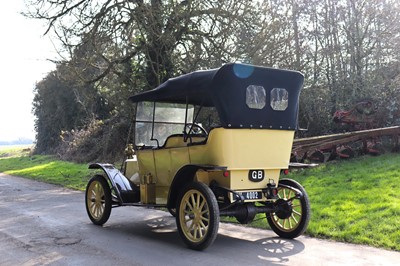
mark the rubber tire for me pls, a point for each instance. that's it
(102, 219)
(304, 219)
(213, 211)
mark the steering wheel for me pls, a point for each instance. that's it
(192, 129)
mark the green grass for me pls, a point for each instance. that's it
(47, 169)
(356, 201)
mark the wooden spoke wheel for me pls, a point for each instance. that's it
(197, 216)
(98, 200)
(294, 215)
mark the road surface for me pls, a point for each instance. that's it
(42, 224)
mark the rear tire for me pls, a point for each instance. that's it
(98, 200)
(197, 216)
(293, 220)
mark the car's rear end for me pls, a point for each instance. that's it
(254, 159)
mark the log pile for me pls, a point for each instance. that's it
(323, 148)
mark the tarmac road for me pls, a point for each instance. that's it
(42, 224)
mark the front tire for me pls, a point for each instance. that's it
(294, 217)
(98, 200)
(197, 216)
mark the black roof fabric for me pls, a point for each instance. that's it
(225, 88)
(192, 87)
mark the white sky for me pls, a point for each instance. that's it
(23, 54)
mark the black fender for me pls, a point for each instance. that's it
(125, 191)
(184, 176)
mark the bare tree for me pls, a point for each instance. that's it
(160, 37)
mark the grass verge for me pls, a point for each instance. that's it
(47, 169)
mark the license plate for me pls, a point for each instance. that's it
(251, 195)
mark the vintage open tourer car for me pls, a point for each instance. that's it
(209, 144)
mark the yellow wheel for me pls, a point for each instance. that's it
(197, 216)
(98, 200)
(294, 214)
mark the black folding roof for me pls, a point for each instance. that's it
(225, 88)
(195, 87)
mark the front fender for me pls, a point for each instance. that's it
(120, 184)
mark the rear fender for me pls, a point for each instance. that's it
(119, 183)
(184, 176)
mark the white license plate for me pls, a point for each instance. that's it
(251, 195)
